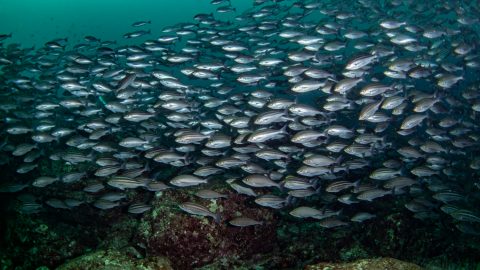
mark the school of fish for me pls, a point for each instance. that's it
(321, 109)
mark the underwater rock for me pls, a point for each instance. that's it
(33, 241)
(354, 251)
(49, 238)
(119, 234)
(191, 241)
(115, 260)
(367, 264)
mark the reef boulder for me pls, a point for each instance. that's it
(191, 241)
(115, 260)
(367, 264)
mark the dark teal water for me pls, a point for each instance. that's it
(35, 22)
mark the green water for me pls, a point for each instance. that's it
(34, 22)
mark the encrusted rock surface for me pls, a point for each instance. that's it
(115, 260)
(367, 264)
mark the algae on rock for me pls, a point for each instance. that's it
(115, 260)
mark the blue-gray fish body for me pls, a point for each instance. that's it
(138, 208)
(199, 210)
(244, 222)
(125, 182)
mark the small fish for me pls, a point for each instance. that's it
(126, 81)
(258, 180)
(370, 195)
(362, 216)
(305, 212)
(332, 222)
(104, 205)
(5, 36)
(186, 180)
(199, 210)
(136, 34)
(209, 194)
(138, 208)
(44, 181)
(141, 23)
(122, 183)
(271, 201)
(360, 62)
(341, 185)
(244, 222)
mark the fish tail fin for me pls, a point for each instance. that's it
(147, 166)
(145, 182)
(332, 80)
(351, 105)
(356, 184)
(339, 159)
(5, 142)
(289, 157)
(217, 218)
(289, 200)
(187, 158)
(280, 187)
(208, 179)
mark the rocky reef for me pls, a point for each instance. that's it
(191, 241)
(367, 264)
(115, 260)
(167, 237)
